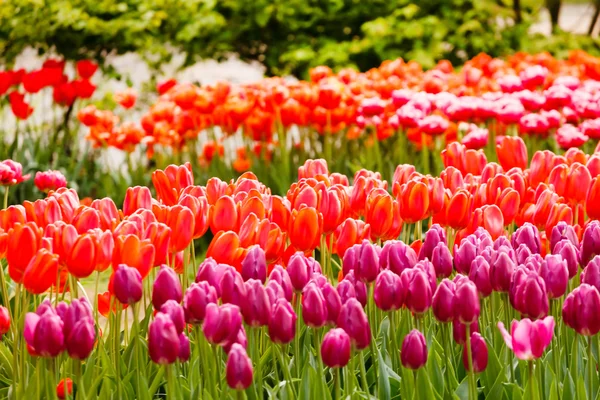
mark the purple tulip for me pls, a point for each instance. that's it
(501, 270)
(563, 231)
(363, 259)
(163, 340)
(528, 235)
(240, 339)
(359, 287)
(353, 320)
(333, 302)
(427, 267)
(127, 284)
(388, 293)
(238, 370)
(282, 326)
(502, 241)
(581, 308)
(418, 290)
(441, 258)
(80, 342)
(459, 331)
(479, 354)
(314, 308)
(174, 311)
(184, 348)
(397, 256)
(300, 269)
(46, 306)
(48, 338)
(254, 265)
(281, 276)
(527, 293)
(212, 272)
(221, 323)
(166, 287)
(522, 253)
(480, 275)
(346, 291)
(466, 302)
(464, 255)
(195, 300)
(274, 291)
(555, 273)
(569, 252)
(233, 290)
(78, 310)
(256, 308)
(414, 350)
(443, 301)
(591, 273)
(335, 349)
(433, 238)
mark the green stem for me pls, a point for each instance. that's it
(415, 392)
(170, 383)
(575, 354)
(531, 380)
(297, 356)
(6, 189)
(336, 383)
(317, 334)
(363, 372)
(286, 372)
(472, 388)
(591, 367)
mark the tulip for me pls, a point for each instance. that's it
(221, 323)
(138, 197)
(569, 253)
(49, 180)
(41, 272)
(281, 276)
(11, 173)
(418, 290)
(305, 228)
(135, 252)
(163, 340)
(196, 298)
(458, 210)
(4, 320)
(397, 256)
(174, 311)
(353, 320)
(238, 368)
(300, 269)
(501, 270)
(335, 349)
(529, 236)
(590, 245)
(433, 237)
(528, 293)
(254, 265)
(388, 293)
(80, 342)
(555, 273)
(349, 233)
(240, 339)
(79, 310)
(211, 272)
(459, 331)
(479, 353)
(443, 301)
(282, 326)
(224, 215)
(166, 287)
(184, 348)
(314, 308)
(414, 201)
(379, 212)
(414, 350)
(333, 302)
(527, 339)
(441, 258)
(466, 302)
(64, 388)
(171, 182)
(580, 310)
(127, 284)
(363, 259)
(256, 308)
(480, 275)
(48, 337)
(592, 202)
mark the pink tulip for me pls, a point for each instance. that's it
(184, 348)
(282, 277)
(314, 308)
(233, 290)
(388, 293)
(166, 287)
(163, 340)
(127, 284)
(414, 350)
(254, 265)
(282, 326)
(555, 273)
(418, 290)
(479, 353)
(175, 312)
(196, 298)
(333, 302)
(221, 323)
(335, 349)
(466, 302)
(528, 339)
(49, 180)
(239, 368)
(256, 308)
(581, 309)
(443, 301)
(480, 275)
(354, 321)
(300, 269)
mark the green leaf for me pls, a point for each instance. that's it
(383, 377)
(462, 391)
(568, 392)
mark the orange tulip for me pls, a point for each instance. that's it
(3, 243)
(558, 178)
(275, 244)
(305, 228)
(134, 252)
(361, 188)
(574, 155)
(108, 212)
(105, 245)
(458, 209)
(592, 203)
(24, 241)
(490, 218)
(81, 257)
(333, 207)
(181, 221)
(475, 161)
(280, 212)
(41, 272)
(541, 164)
(171, 182)
(137, 197)
(452, 179)
(511, 152)
(525, 214)
(403, 174)
(414, 201)
(349, 233)
(313, 168)
(305, 193)
(543, 206)
(379, 212)
(491, 170)
(454, 155)
(578, 183)
(396, 228)
(224, 215)
(508, 202)
(85, 218)
(199, 207)
(14, 215)
(68, 200)
(558, 212)
(215, 188)
(254, 231)
(108, 303)
(159, 235)
(436, 194)
(254, 204)
(225, 248)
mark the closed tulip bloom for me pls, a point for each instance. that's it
(427, 267)
(305, 228)
(184, 348)
(397, 256)
(346, 291)
(163, 340)
(333, 301)
(238, 370)
(414, 201)
(282, 277)
(529, 235)
(135, 198)
(363, 259)
(78, 310)
(49, 180)
(592, 202)
(466, 302)
(174, 310)
(166, 287)
(418, 290)
(195, 300)
(80, 342)
(360, 288)
(441, 258)
(522, 253)
(528, 293)
(254, 265)
(459, 331)
(314, 308)
(240, 339)
(512, 152)
(4, 320)
(221, 323)
(529, 339)
(282, 326)
(127, 284)
(414, 350)
(233, 290)
(569, 253)
(443, 301)
(464, 254)
(353, 320)
(563, 231)
(501, 271)
(555, 273)
(211, 272)
(433, 237)
(335, 349)
(300, 269)
(48, 338)
(480, 275)
(388, 293)
(256, 308)
(580, 310)
(591, 273)
(590, 245)
(479, 352)
(64, 388)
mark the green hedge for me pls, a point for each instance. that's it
(287, 36)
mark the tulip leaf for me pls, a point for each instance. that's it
(384, 380)
(581, 385)
(424, 388)
(462, 391)
(568, 392)
(492, 373)
(496, 391)
(553, 394)
(5, 360)
(156, 382)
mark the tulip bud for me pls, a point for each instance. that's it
(333, 302)
(233, 290)
(4, 320)
(184, 348)
(464, 254)
(388, 293)
(354, 321)
(221, 323)
(314, 309)
(346, 291)
(196, 298)
(528, 235)
(414, 350)
(239, 368)
(570, 253)
(563, 231)
(441, 258)
(397, 256)
(522, 253)
(48, 337)
(591, 273)
(501, 271)
(502, 241)
(127, 284)
(282, 326)
(533, 262)
(335, 349)
(274, 291)
(480, 275)
(590, 245)
(555, 274)
(443, 301)
(256, 307)
(580, 310)
(300, 269)
(79, 310)
(254, 265)
(166, 287)
(418, 290)
(212, 272)
(366, 261)
(174, 311)
(240, 339)
(64, 388)
(163, 340)
(466, 302)
(360, 289)
(433, 238)
(80, 341)
(479, 354)
(528, 293)
(282, 277)
(459, 331)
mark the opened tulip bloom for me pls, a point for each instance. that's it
(528, 339)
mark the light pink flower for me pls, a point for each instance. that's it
(528, 339)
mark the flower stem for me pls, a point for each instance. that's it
(472, 388)
(575, 354)
(363, 372)
(336, 383)
(591, 367)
